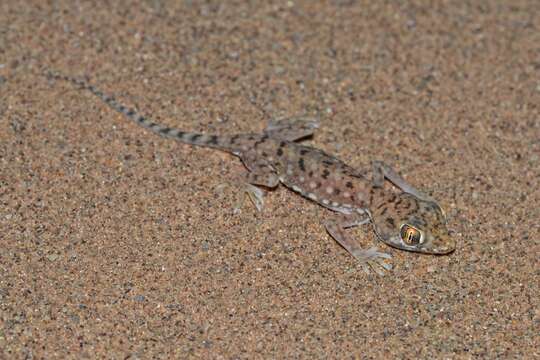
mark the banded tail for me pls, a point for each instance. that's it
(206, 140)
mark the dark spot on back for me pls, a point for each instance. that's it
(279, 152)
(384, 211)
(310, 174)
(303, 152)
(165, 130)
(325, 174)
(282, 144)
(349, 185)
(195, 137)
(391, 222)
(301, 164)
(130, 112)
(234, 138)
(213, 140)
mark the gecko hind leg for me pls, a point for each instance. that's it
(382, 170)
(292, 129)
(370, 258)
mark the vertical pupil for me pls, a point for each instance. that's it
(410, 235)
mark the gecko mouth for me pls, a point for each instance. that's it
(440, 247)
(446, 246)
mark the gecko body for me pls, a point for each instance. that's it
(408, 220)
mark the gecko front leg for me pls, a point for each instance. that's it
(260, 174)
(382, 171)
(370, 258)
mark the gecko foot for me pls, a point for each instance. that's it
(256, 195)
(372, 259)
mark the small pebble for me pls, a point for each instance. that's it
(52, 257)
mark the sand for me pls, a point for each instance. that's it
(115, 243)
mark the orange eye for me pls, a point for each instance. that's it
(410, 235)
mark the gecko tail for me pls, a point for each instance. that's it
(190, 138)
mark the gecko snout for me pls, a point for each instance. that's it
(443, 245)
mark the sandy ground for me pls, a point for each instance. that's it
(116, 243)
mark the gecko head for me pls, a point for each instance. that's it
(409, 223)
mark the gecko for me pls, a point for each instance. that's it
(406, 219)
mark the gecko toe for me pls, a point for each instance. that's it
(256, 196)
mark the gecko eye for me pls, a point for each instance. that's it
(410, 235)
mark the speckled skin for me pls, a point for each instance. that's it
(275, 157)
